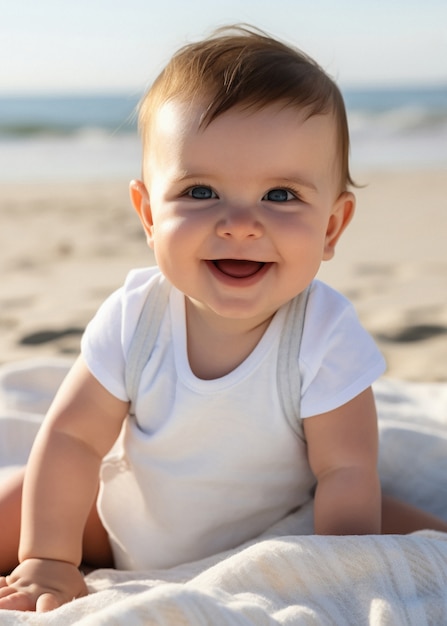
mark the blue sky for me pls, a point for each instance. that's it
(57, 46)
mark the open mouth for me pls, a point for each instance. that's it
(238, 268)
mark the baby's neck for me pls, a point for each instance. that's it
(216, 349)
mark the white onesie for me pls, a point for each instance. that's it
(207, 464)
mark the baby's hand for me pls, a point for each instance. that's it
(41, 585)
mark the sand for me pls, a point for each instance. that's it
(65, 247)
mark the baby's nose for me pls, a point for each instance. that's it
(240, 223)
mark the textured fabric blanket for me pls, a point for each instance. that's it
(284, 576)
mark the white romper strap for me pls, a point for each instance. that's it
(145, 335)
(288, 373)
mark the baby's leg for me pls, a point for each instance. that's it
(96, 545)
(96, 548)
(10, 506)
(400, 518)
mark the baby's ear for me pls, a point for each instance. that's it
(141, 203)
(342, 213)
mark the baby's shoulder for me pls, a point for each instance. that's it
(140, 279)
(326, 301)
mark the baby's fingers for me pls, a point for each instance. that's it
(13, 600)
(47, 602)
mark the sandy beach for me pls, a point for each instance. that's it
(64, 248)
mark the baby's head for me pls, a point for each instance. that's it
(242, 68)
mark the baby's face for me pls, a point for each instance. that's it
(241, 213)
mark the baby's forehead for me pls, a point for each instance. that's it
(178, 117)
(252, 143)
(178, 136)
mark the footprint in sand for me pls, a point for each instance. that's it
(416, 332)
(46, 336)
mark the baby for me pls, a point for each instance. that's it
(226, 387)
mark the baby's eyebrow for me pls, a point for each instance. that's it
(295, 179)
(185, 176)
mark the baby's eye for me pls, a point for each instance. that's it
(201, 193)
(279, 195)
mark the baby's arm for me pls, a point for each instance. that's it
(59, 490)
(342, 449)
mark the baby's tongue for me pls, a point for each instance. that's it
(238, 268)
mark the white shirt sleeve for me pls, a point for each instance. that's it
(107, 338)
(338, 358)
(101, 346)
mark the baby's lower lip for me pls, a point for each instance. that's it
(238, 268)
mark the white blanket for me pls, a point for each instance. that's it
(282, 577)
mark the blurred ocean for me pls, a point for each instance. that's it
(65, 138)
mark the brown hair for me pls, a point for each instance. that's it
(242, 66)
